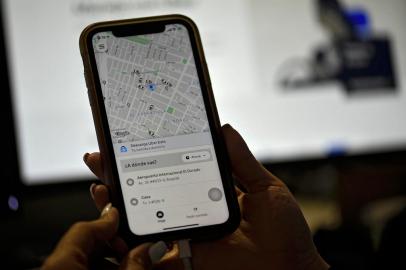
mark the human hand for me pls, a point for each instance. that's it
(85, 243)
(273, 233)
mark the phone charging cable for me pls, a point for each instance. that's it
(185, 253)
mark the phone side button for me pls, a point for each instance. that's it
(90, 98)
(85, 74)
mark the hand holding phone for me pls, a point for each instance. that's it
(158, 129)
(273, 233)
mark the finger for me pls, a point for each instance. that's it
(144, 256)
(169, 264)
(88, 235)
(171, 259)
(251, 174)
(119, 247)
(100, 195)
(84, 239)
(93, 161)
(238, 191)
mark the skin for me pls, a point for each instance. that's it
(273, 233)
(86, 242)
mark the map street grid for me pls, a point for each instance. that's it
(150, 85)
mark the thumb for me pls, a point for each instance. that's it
(250, 173)
(144, 256)
(84, 239)
(88, 236)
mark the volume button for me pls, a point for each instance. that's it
(90, 98)
(86, 74)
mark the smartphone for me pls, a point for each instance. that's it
(157, 125)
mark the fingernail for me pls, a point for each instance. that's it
(106, 210)
(157, 251)
(228, 126)
(92, 188)
(169, 245)
(85, 157)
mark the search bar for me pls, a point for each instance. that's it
(166, 160)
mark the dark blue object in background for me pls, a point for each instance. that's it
(359, 19)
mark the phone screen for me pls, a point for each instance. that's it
(168, 170)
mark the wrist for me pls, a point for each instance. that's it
(317, 263)
(297, 261)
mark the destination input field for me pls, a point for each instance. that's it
(166, 160)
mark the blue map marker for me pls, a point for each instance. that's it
(151, 86)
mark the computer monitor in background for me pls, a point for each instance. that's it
(10, 188)
(295, 84)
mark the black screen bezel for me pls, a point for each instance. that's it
(150, 26)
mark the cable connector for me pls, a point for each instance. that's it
(185, 253)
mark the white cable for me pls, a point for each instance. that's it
(185, 253)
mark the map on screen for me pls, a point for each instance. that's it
(151, 88)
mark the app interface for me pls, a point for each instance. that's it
(162, 142)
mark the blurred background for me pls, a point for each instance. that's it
(316, 87)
